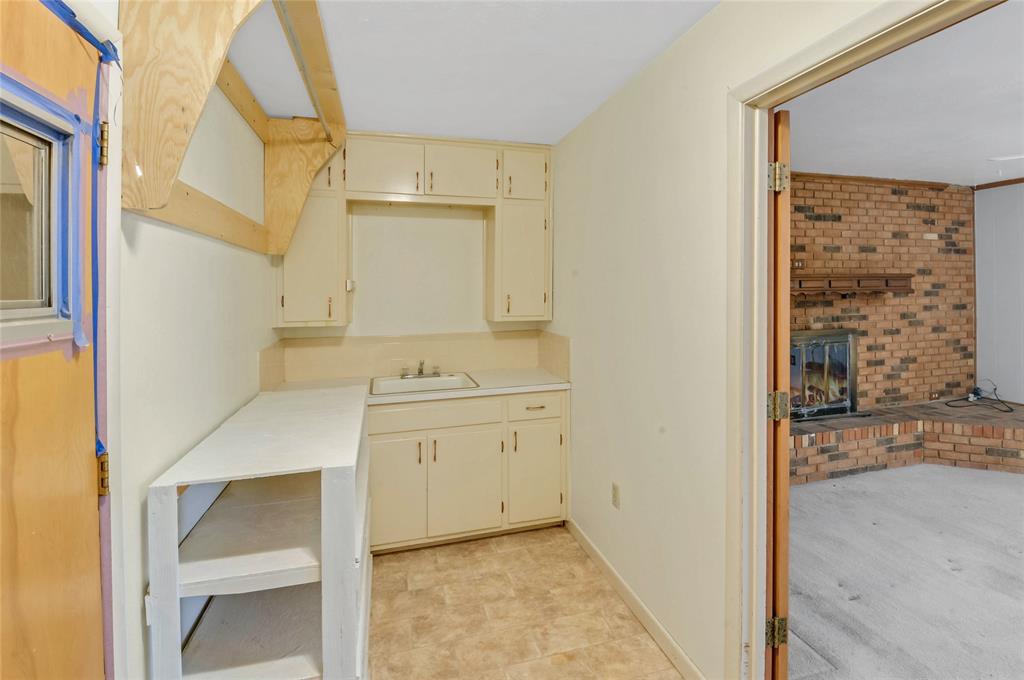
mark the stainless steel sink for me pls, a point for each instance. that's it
(428, 383)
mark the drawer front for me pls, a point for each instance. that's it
(434, 415)
(532, 406)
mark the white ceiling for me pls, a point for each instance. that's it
(936, 110)
(517, 71)
(261, 54)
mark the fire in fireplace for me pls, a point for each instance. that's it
(822, 373)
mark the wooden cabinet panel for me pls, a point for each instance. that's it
(524, 259)
(535, 472)
(398, 489)
(314, 266)
(384, 167)
(434, 415)
(525, 174)
(464, 481)
(461, 171)
(329, 177)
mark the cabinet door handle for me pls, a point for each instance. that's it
(328, 175)
(417, 180)
(419, 453)
(435, 450)
(515, 441)
(510, 185)
(508, 304)
(330, 308)
(431, 180)
(536, 408)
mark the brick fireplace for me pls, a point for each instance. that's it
(910, 346)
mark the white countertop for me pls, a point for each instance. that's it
(279, 433)
(491, 383)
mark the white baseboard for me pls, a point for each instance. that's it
(673, 651)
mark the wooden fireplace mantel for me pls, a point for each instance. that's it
(804, 283)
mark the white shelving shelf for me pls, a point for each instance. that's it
(283, 551)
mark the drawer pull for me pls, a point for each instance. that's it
(435, 450)
(515, 441)
(536, 408)
(419, 453)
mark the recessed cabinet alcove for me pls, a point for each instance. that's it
(509, 184)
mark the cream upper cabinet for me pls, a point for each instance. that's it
(535, 471)
(470, 171)
(526, 174)
(398, 489)
(312, 273)
(391, 167)
(464, 480)
(524, 261)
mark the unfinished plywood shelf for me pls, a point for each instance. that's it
(268, 634)
(803, 283)
(293, 518)
(260, 534)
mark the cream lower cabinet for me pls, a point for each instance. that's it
(463, 467)
(464, 481)
(534, 471)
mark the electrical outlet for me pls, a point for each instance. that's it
(615, 495)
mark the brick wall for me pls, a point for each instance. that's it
(915, 346)
(827, 455)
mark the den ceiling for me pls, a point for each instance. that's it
(942, 109)
(516, 71)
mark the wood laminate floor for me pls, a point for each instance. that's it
(527, 606)
(914, 573)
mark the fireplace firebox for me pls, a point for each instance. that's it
(822, 373)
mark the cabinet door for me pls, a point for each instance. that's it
(525, 174)
(462, 171)
(313, 266)
(524, 261)
(464, 481)
(535, 472)
(398, 489)
(383, 167)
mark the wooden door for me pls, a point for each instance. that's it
(777, 606)
(461, 171)
(51, 608)
(464, 480)
(311, 272)
(524, 260)
(398, 488)
(526, 174)
(535, 471)
(383, 167)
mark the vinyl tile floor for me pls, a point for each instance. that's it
(526, 606)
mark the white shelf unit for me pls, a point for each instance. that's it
(283, 551)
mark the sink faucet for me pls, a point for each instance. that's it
(420, 373)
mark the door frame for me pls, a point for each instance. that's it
(878, 32)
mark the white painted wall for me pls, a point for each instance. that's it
(999, 254)
(418, 269)
(225, 158)
(194, 312)
(649, 284)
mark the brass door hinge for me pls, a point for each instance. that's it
(778, 176)
(778, 406)
(776, 632)
(104, 143)
(103, 474)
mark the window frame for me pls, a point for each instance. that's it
(54, 319)
(45, 306)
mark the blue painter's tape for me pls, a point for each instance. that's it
(106, 49)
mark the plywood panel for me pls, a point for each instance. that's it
(295, 151)
(173, 53)
(50, 609)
